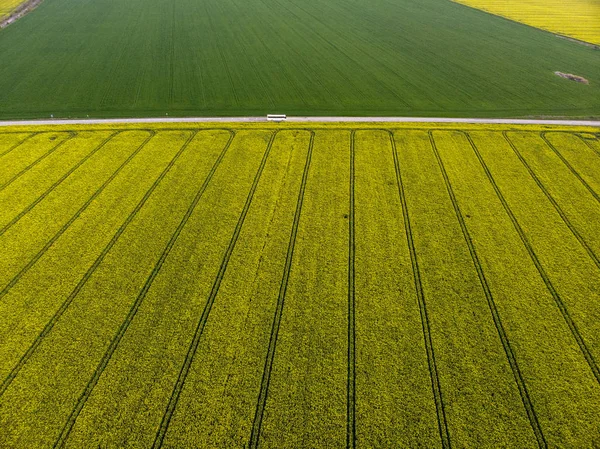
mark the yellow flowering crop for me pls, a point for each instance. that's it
(579, 19)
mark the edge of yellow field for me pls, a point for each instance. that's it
(297, 125)
(595, 43)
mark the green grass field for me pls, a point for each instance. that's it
(73, 58)
(291, 286)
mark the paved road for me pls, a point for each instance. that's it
(303, 119)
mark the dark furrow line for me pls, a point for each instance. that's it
(37, 161)
(435, 381)
(584, 140)
(512, 360)
(15, 146)
(266, 377)
(351, 382)
(558, 209)
(166, 128)
(189, 358)
(570, 167)
(66, 430)
(557, 299)
(65, 305)
(58, 182)
(61, 231)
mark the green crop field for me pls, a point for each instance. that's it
(295, 286)
(74, 58)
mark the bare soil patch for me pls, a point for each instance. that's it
(570, 76)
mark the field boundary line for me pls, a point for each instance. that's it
(584, 140)
(433, 373)
(18, 12)
(308, 119)
(57, 183)
(18, 144)
(569, 166)
(529, 25)
(18, 276)
(351, 382)
(557, 299)
(268, 366)
(195, 342)
(67, 302)
(510, 355)
(556, 206)
(66, 430)
(38, 160)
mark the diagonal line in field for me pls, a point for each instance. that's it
(591, 147)
(510, 355)
(64, 228)
(18, 144)
(37, 161)
(435, 381)
(266, 377)
(19, 275)
(60, 180)
(187, 364)
(557, 299)
(570, 167)
(558, 209)
(62, 438)
(65, 305)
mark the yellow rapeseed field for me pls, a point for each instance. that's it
(299, 285)
(579, 19)
(6, 6)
